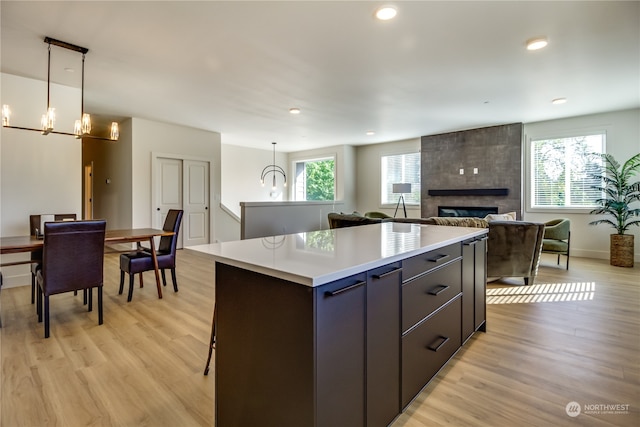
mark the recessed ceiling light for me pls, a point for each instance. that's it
(370, 132)
(537, 43)
(385, 13)
(294, 110)
(559, 101)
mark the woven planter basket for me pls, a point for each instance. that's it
(621, 250)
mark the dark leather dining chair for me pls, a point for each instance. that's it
(141, 260)
(36, 256)
(72, 260)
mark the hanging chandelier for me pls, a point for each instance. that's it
(82, 126)
(274, 169)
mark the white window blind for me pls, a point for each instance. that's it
(560, 171)
(400, 168)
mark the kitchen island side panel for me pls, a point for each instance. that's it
(264, 350)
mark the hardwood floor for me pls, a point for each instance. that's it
(545, 346)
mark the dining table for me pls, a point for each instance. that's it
(24, 244)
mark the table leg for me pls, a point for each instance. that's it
(155, 266)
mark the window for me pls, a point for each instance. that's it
(315, 179)
(400, 168)
(561, 171)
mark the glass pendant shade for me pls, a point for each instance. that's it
(115, 131)
(86, 123)
(48, 120)
(6, 115)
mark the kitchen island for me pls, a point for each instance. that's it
(341, 327)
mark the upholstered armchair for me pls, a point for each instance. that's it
(513, 249)
(557, 238)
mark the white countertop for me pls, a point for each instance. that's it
(318, 257)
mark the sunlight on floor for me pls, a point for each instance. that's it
(550, 292)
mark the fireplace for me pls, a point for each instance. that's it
(467, 211)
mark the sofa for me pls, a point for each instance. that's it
(513, 247)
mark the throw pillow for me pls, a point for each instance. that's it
(509, 216)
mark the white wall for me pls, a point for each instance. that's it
(241, 168)
(623, 141)
(38, 174)
(368, 175)
(154, 138)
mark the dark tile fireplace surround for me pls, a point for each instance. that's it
(496, 155)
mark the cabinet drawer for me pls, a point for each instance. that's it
(424, 294)
(422, 263)
(428, 347)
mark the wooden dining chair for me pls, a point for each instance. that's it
(141, 260)
(72, 259)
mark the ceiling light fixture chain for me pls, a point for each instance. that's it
(82, 127)
(274, 169)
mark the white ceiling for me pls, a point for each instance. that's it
(236, 67)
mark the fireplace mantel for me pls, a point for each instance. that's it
(471, 192)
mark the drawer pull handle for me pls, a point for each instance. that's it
(439, 343)
(345, 289)
(438, 290)
(471, 243)
(438, 258)
(380, 276)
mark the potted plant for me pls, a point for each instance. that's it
(618, 194)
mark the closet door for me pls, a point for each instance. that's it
(196, 203)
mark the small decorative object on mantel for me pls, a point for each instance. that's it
(618, 194)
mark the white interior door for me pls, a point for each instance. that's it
(168, 191)
(196, 203)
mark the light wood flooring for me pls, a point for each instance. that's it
(545, 346)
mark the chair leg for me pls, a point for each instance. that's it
(141, 282)
(84, 298)
(100, 319)
(90, 298)
(130, 295)
(567, 261)
(33, 288)
(46, 316)
(558, 259)
(173, 279)
(212, 340)
(39, 304)
(526, 281)
(164, 278)
(121, 282)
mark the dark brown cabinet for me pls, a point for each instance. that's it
(474, 281)
(427, 347)
(340, 352)
(352, 352)
(383, 345)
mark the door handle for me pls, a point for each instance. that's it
(438, 290)
(438, 343)
(345, 289)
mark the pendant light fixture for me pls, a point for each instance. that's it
(274, 169)
(82, 126)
